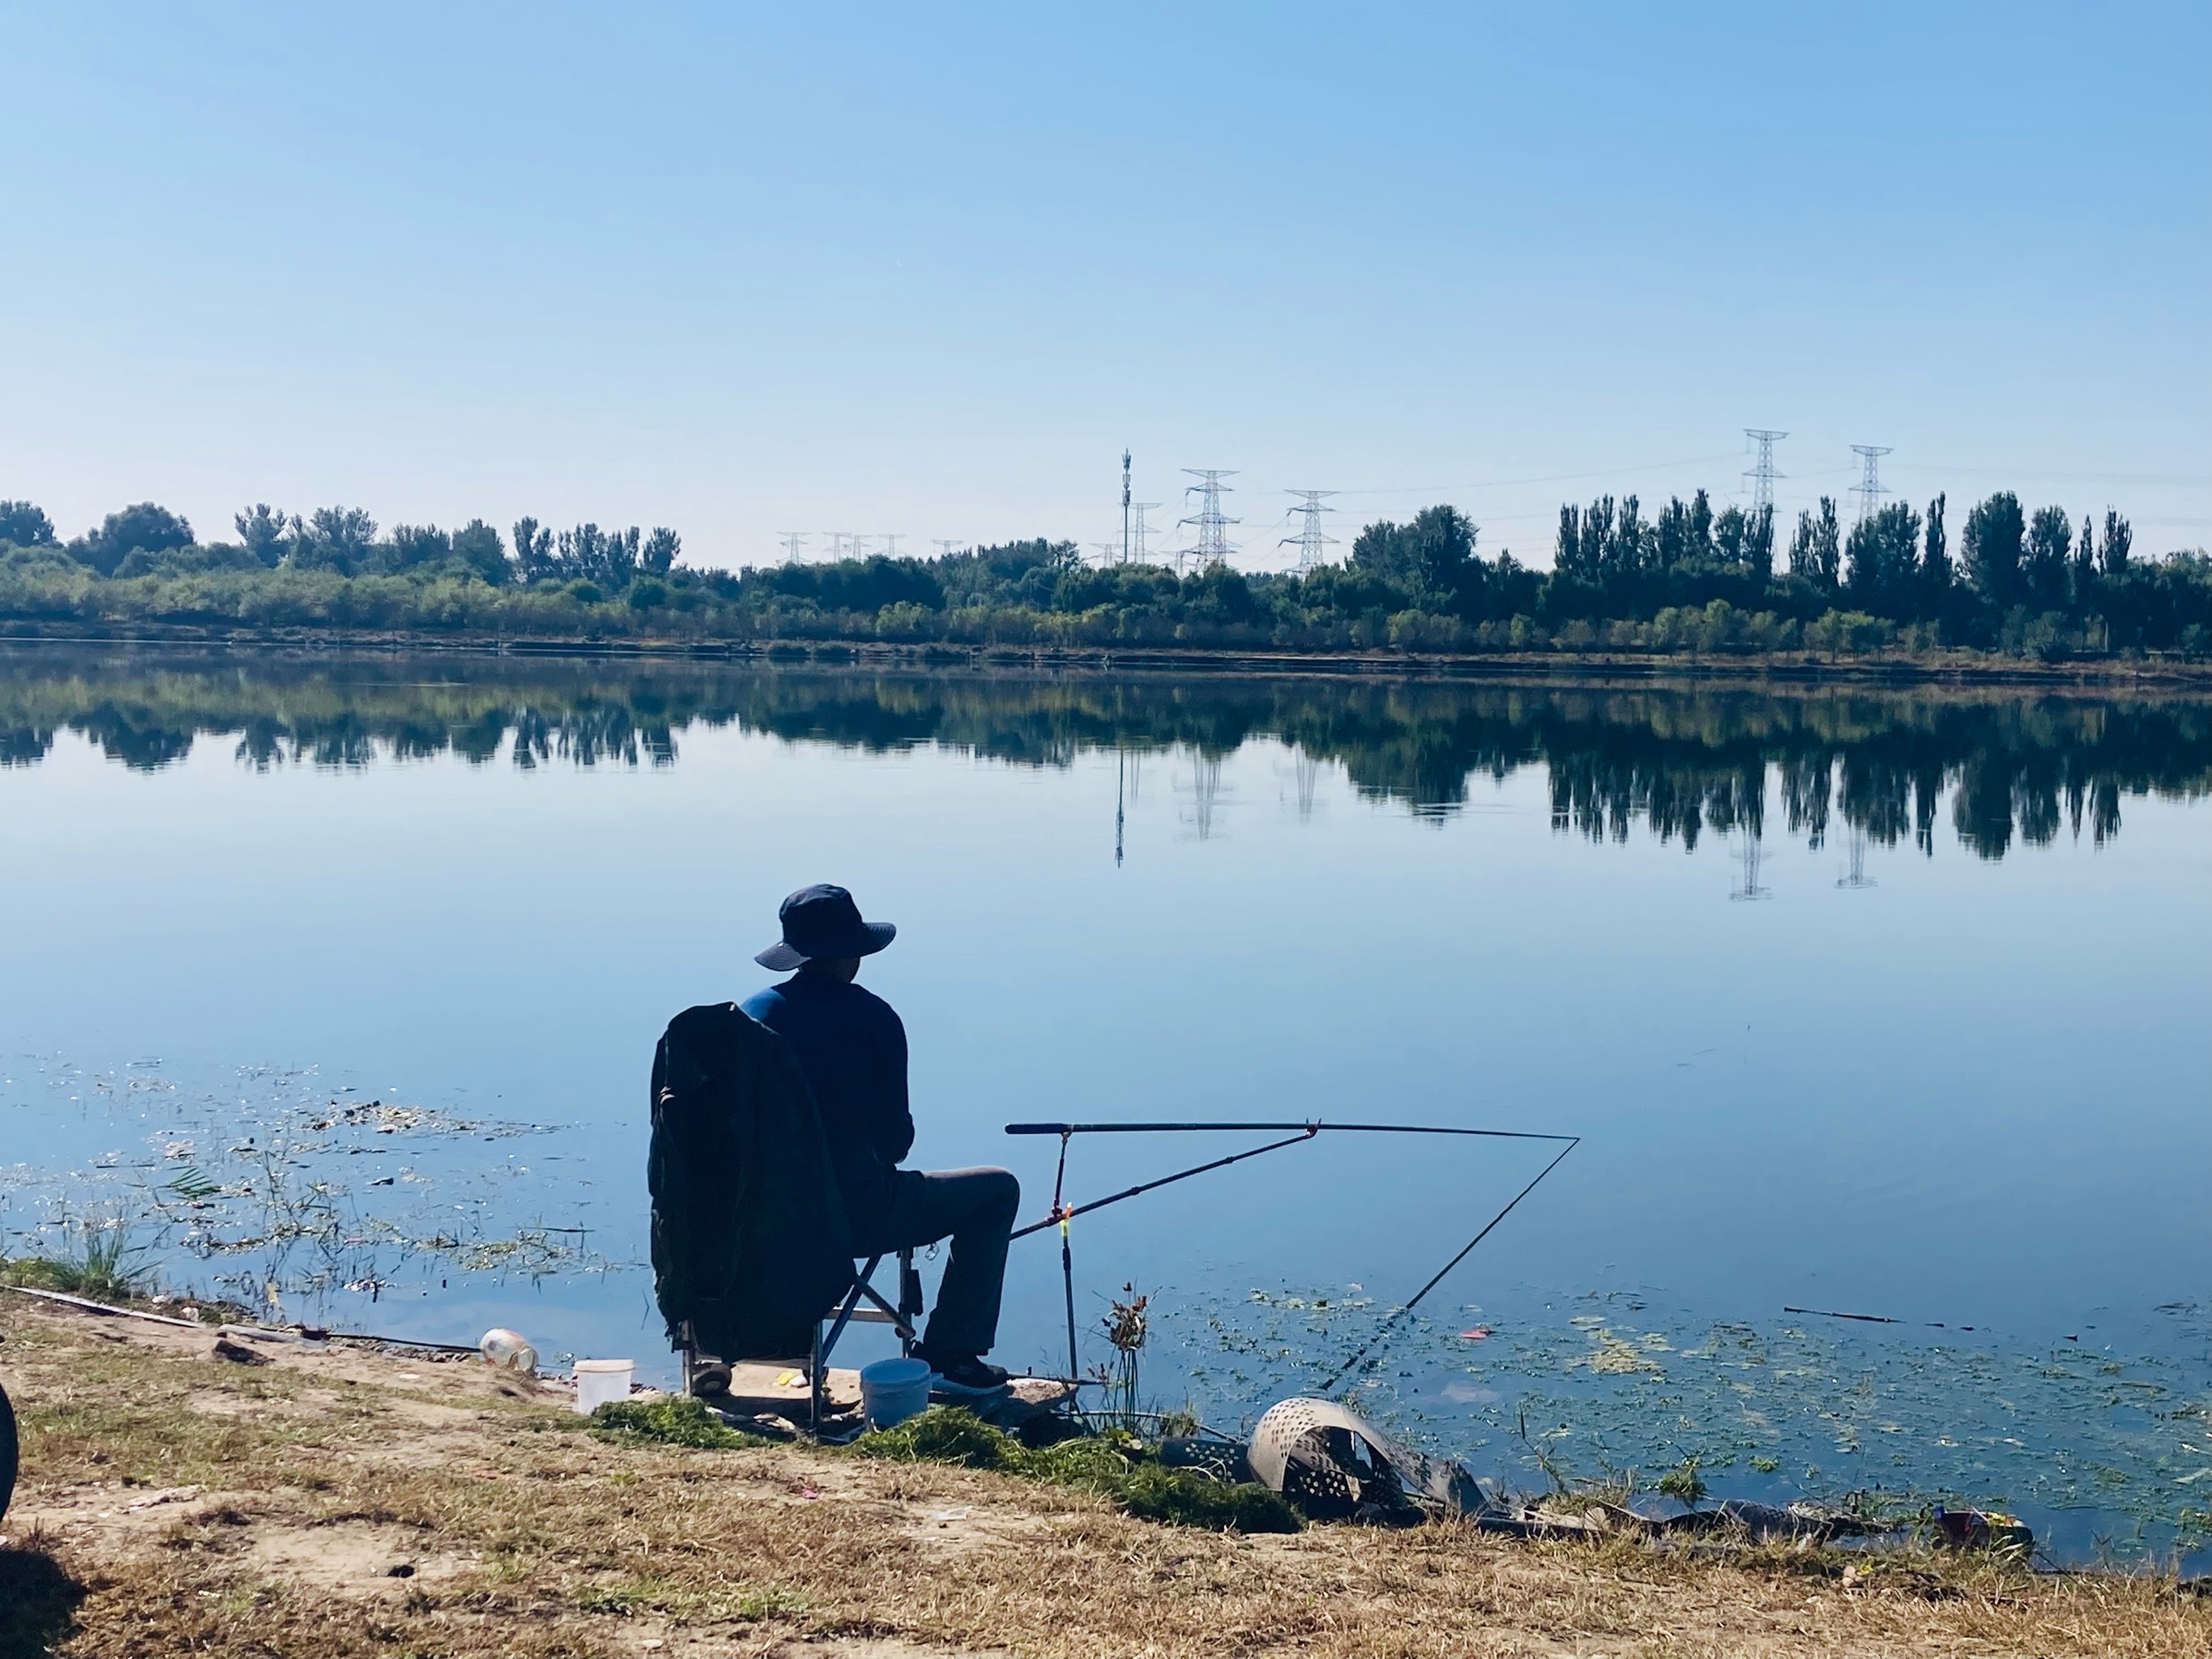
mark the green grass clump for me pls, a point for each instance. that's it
(1189, 1498)
(99, 1269)
(1110, 1464)
(945, 1434)
(672, 1420)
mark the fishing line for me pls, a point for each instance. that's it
(1389, 1324)
(1062, 1212)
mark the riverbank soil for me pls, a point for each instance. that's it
(351, 1500)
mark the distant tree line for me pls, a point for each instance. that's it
(149, 540)
(1685, 579)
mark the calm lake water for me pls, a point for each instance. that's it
(337, 981)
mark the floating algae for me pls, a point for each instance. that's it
(277, 1192)
(2104, 1451)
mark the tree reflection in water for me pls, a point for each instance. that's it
(1685, 761)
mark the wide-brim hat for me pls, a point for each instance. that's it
(823, 921)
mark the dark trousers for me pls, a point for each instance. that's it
(975, 1208)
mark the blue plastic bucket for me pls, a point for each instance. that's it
(892, 1390)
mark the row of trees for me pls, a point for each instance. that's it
(148, 540)
(1685, 578)
(1610, 560)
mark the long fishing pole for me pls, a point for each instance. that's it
(1065, 1213)
(1061, 1212)
(1310, 1124)
(1066, 1260)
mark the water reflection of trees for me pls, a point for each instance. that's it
(1686, 762)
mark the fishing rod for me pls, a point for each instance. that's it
(1062, 1212)
(1065, 1213)
(1309, 1124)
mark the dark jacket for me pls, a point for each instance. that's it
(853, 1048)
(750, 1238)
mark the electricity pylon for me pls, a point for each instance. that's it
(1140, 530)
(1213, 524)
(1750, 859)
(1857, 876)
(1309, 541)
(1762, 474)
(1869, 489)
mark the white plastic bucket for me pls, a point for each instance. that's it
(601, 1382)
(892, 1390)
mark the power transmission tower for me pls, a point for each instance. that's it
(1309, 541)
(1869, 491)
(891, 545)
(837, 540)
(944, 547)
(1751, 888)
(1206, 789)
(1307, 769)
(857, 545)
(1762, 475)
(1858, 876)
(793, 542)
(1213, 546)
(1109, 551)
(1137, 545)
(1125, 506)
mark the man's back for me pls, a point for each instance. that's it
(853, 1048)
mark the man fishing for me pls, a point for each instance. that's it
(851, 1048)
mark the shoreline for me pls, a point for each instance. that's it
(383, 1500)
(1788, 670)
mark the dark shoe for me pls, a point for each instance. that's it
(966, 1374)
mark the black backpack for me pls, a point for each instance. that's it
(751, 1242)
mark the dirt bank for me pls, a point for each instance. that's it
(1883, 669)
(353, 1501)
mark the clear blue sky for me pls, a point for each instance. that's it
(928, 269)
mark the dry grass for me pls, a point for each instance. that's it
(177, 1503)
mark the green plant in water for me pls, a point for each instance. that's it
(100, 1267)
(1180, 1423)
(1125, 1327)
(1684, 1482)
